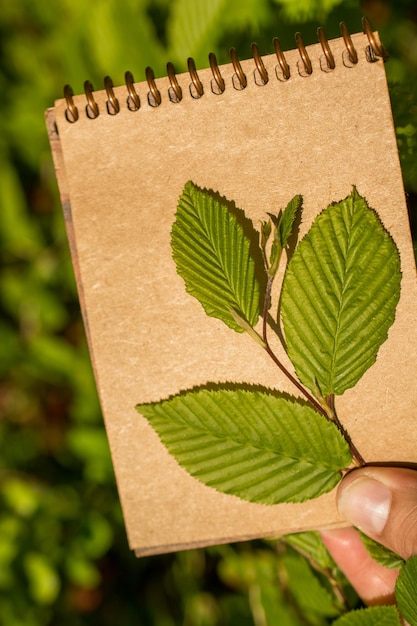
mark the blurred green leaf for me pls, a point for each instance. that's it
(256, 574)
(114, 55)
(95, 536)
(21, 496)
(82, 572)
(37, 306)
(43, 579)
(311, 596)
(311, 545)
(91, 445)
(191, 27)
(304, 10)
(55, 357)
(10, 542)
(19, 234)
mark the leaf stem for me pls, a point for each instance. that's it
(327, 409)
(294, 381)
(358, 458)
(281, 366)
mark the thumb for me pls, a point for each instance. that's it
(382, 503)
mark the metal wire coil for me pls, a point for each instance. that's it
(375, 50)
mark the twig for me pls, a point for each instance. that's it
(330, 414)
(281, 366)
(360, 461)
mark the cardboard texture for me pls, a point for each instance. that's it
(120, 178)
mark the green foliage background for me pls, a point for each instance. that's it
(63, 551)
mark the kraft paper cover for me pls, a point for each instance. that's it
(120, 178)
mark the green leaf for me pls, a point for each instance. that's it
(216, 252)
(405, 591)
(305, 10)
(381, 554)
(287, 219)
(374, 616)
(311, 546)
(195, 28)
(21, 496)
(304, 585)
(254, 444)
(43, 579)
(192, 27)
(339, 296)
(255, 574)
(82, 572)
(283, 230)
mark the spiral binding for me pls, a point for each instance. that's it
(374, 51)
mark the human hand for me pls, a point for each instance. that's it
(382, 503)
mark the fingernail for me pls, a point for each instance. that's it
(366, 504)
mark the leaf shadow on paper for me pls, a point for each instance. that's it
(240, 386)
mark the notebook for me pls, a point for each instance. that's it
(315, 121)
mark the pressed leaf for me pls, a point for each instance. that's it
(339, 296)
(215, 250)
(286, 222)
(381, 554)
(374, 616)
(283, 230)
(257, 445)
(405, 591)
